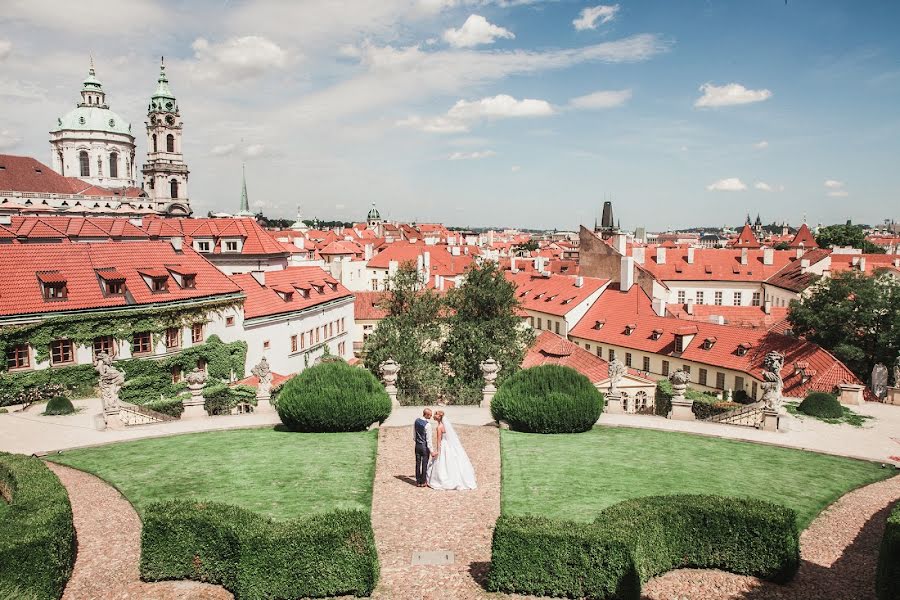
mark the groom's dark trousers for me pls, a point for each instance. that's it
(420, 437)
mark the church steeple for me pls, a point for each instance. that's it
(245, 201)
(92, 94)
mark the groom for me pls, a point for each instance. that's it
(422, 439)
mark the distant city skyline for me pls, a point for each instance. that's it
(527, 113)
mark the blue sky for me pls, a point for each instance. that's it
(492, 112)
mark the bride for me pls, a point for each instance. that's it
(450, 469)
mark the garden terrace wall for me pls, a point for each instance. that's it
(638, 539)
(37, 536)
(255, 557)
(888, 576)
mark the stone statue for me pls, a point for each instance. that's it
(264, 374)
(772, 387)
(489, 370)
(897, 373)
(617, 370)
(879, 380)
(111, 381)
(679, 381)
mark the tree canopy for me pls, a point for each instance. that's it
(855, 317)
(846, 235)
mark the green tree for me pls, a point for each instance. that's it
(847, 235)
(411, 335)
(855, 317)
(524, 248)
(483, 323)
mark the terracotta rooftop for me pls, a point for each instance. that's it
(720, 264)
(554, 295)
(367, 306)
(551, 349)
(264, 300)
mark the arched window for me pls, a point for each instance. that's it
(170, 143)
(154, 142)
(85, 163)
(152, 183)
(173, 188)
(113, 164)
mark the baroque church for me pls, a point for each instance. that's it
(94, 172)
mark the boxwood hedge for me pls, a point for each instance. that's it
(822, 405)
(37, 537)
(255, 557)
(59, 405)
(548, 399)
(887, 580)
(637, 539)
(333, 396)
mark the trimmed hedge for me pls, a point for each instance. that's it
(822, 405)
(887, 579)
(638, 539)
(255, 557)
(548, 399)
(333, 396)
(169, 406)
(708, 407)
(59, 405)
(37, 536)
(30, 386)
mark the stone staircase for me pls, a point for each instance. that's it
(744, 416)
(132, 414)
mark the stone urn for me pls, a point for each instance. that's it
(682, 408)
(489, 370)
(390, 370)
(193, 406)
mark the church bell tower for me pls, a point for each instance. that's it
(165, 172)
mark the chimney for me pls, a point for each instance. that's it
(660, 255)
(136, 221)
(768, 256)
(539, 264)
(512, 264)
(800, 252)
(744, 252)
(420, 267)
(689, 307)
(259, 276)
(804, 265)
(659, 306)
(854, 261)
(177, 244)
(369, 251)
(897, 263)
(767, 306)
(627, 273)
(639, 254)
(5, 220)
(690, 255)
(439, 283)
(579, 281)
(619, 243)
(426, 262)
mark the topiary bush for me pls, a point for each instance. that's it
(37, 536)
(822, 405)
(167, 406)
(638, 539)
(548, 399)
(255, 557)
(59, 405)
(333, 396)
(887, 578)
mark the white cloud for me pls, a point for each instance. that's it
(731, 184)
(23, 90)
(8, 139)
(5, 49)
(222, 150)
(601, 99)
(465, 113)
(761, 145)
(237, 58)
(248, 151)
(763, 186)
(476, 31)
(254, 150)
(836, 188)
(730, 94)
(833, 184)
(515, 168)
(589, 16)
(90, 16)
(472, 155)
(839, 194)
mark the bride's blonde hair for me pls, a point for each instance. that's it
(440, 414)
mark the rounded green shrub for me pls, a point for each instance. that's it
(820, 404)
(548, 399)
(59, 405)
(333, 396)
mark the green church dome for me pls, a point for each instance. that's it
(92, 118)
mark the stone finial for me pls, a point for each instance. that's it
(679, 381)
(389, 370)
(194, 405)
(489, 370)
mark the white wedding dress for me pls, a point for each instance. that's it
(451, 469)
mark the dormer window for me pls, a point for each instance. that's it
(656, 334)
(599, 324)
(568, 300)
(156, 279)
(286, 293)
(708, 343)
(525, 293)
(202, 246)
(743, 348)
(185, 278)
(53, 285)
(629, 329)
(190, 282)
(231, 246)
(112, 282)
(679, 343)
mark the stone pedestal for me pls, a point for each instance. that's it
(487, 396)
(489, 370)
(614, 404)
(682, 410)
(893, 395)
(851, 394)
(392, 392)
(193, 407)
(113, 420)
(264, 404)
(770, 420)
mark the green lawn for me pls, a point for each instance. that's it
(275, 473)
(4, 508)
(574, 476)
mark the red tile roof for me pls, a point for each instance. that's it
(79, 264)
(443, 262)
(804, 239)
(618, 308)
(551, 349)
(368, 306)
(554, 295)
(263, 300)
(746, 239)
(720, 264)
(256, 241)
(341, 247)
(25, 174)
(736, 316)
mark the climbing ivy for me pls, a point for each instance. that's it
(121, 325)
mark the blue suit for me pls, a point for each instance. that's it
(420, 437)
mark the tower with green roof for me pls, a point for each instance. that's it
(93, 143)
(245, 200)
(165, 172)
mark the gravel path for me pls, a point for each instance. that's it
(408, 519)
(839, 552)
(109, 547)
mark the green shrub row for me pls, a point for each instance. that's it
(255, 557)
(548, 399)
(664, 393)
(168, 406)
(822, 405)
(887, 579)
(707, 407)
(37, 536)
(333, 396)
(638, 539)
